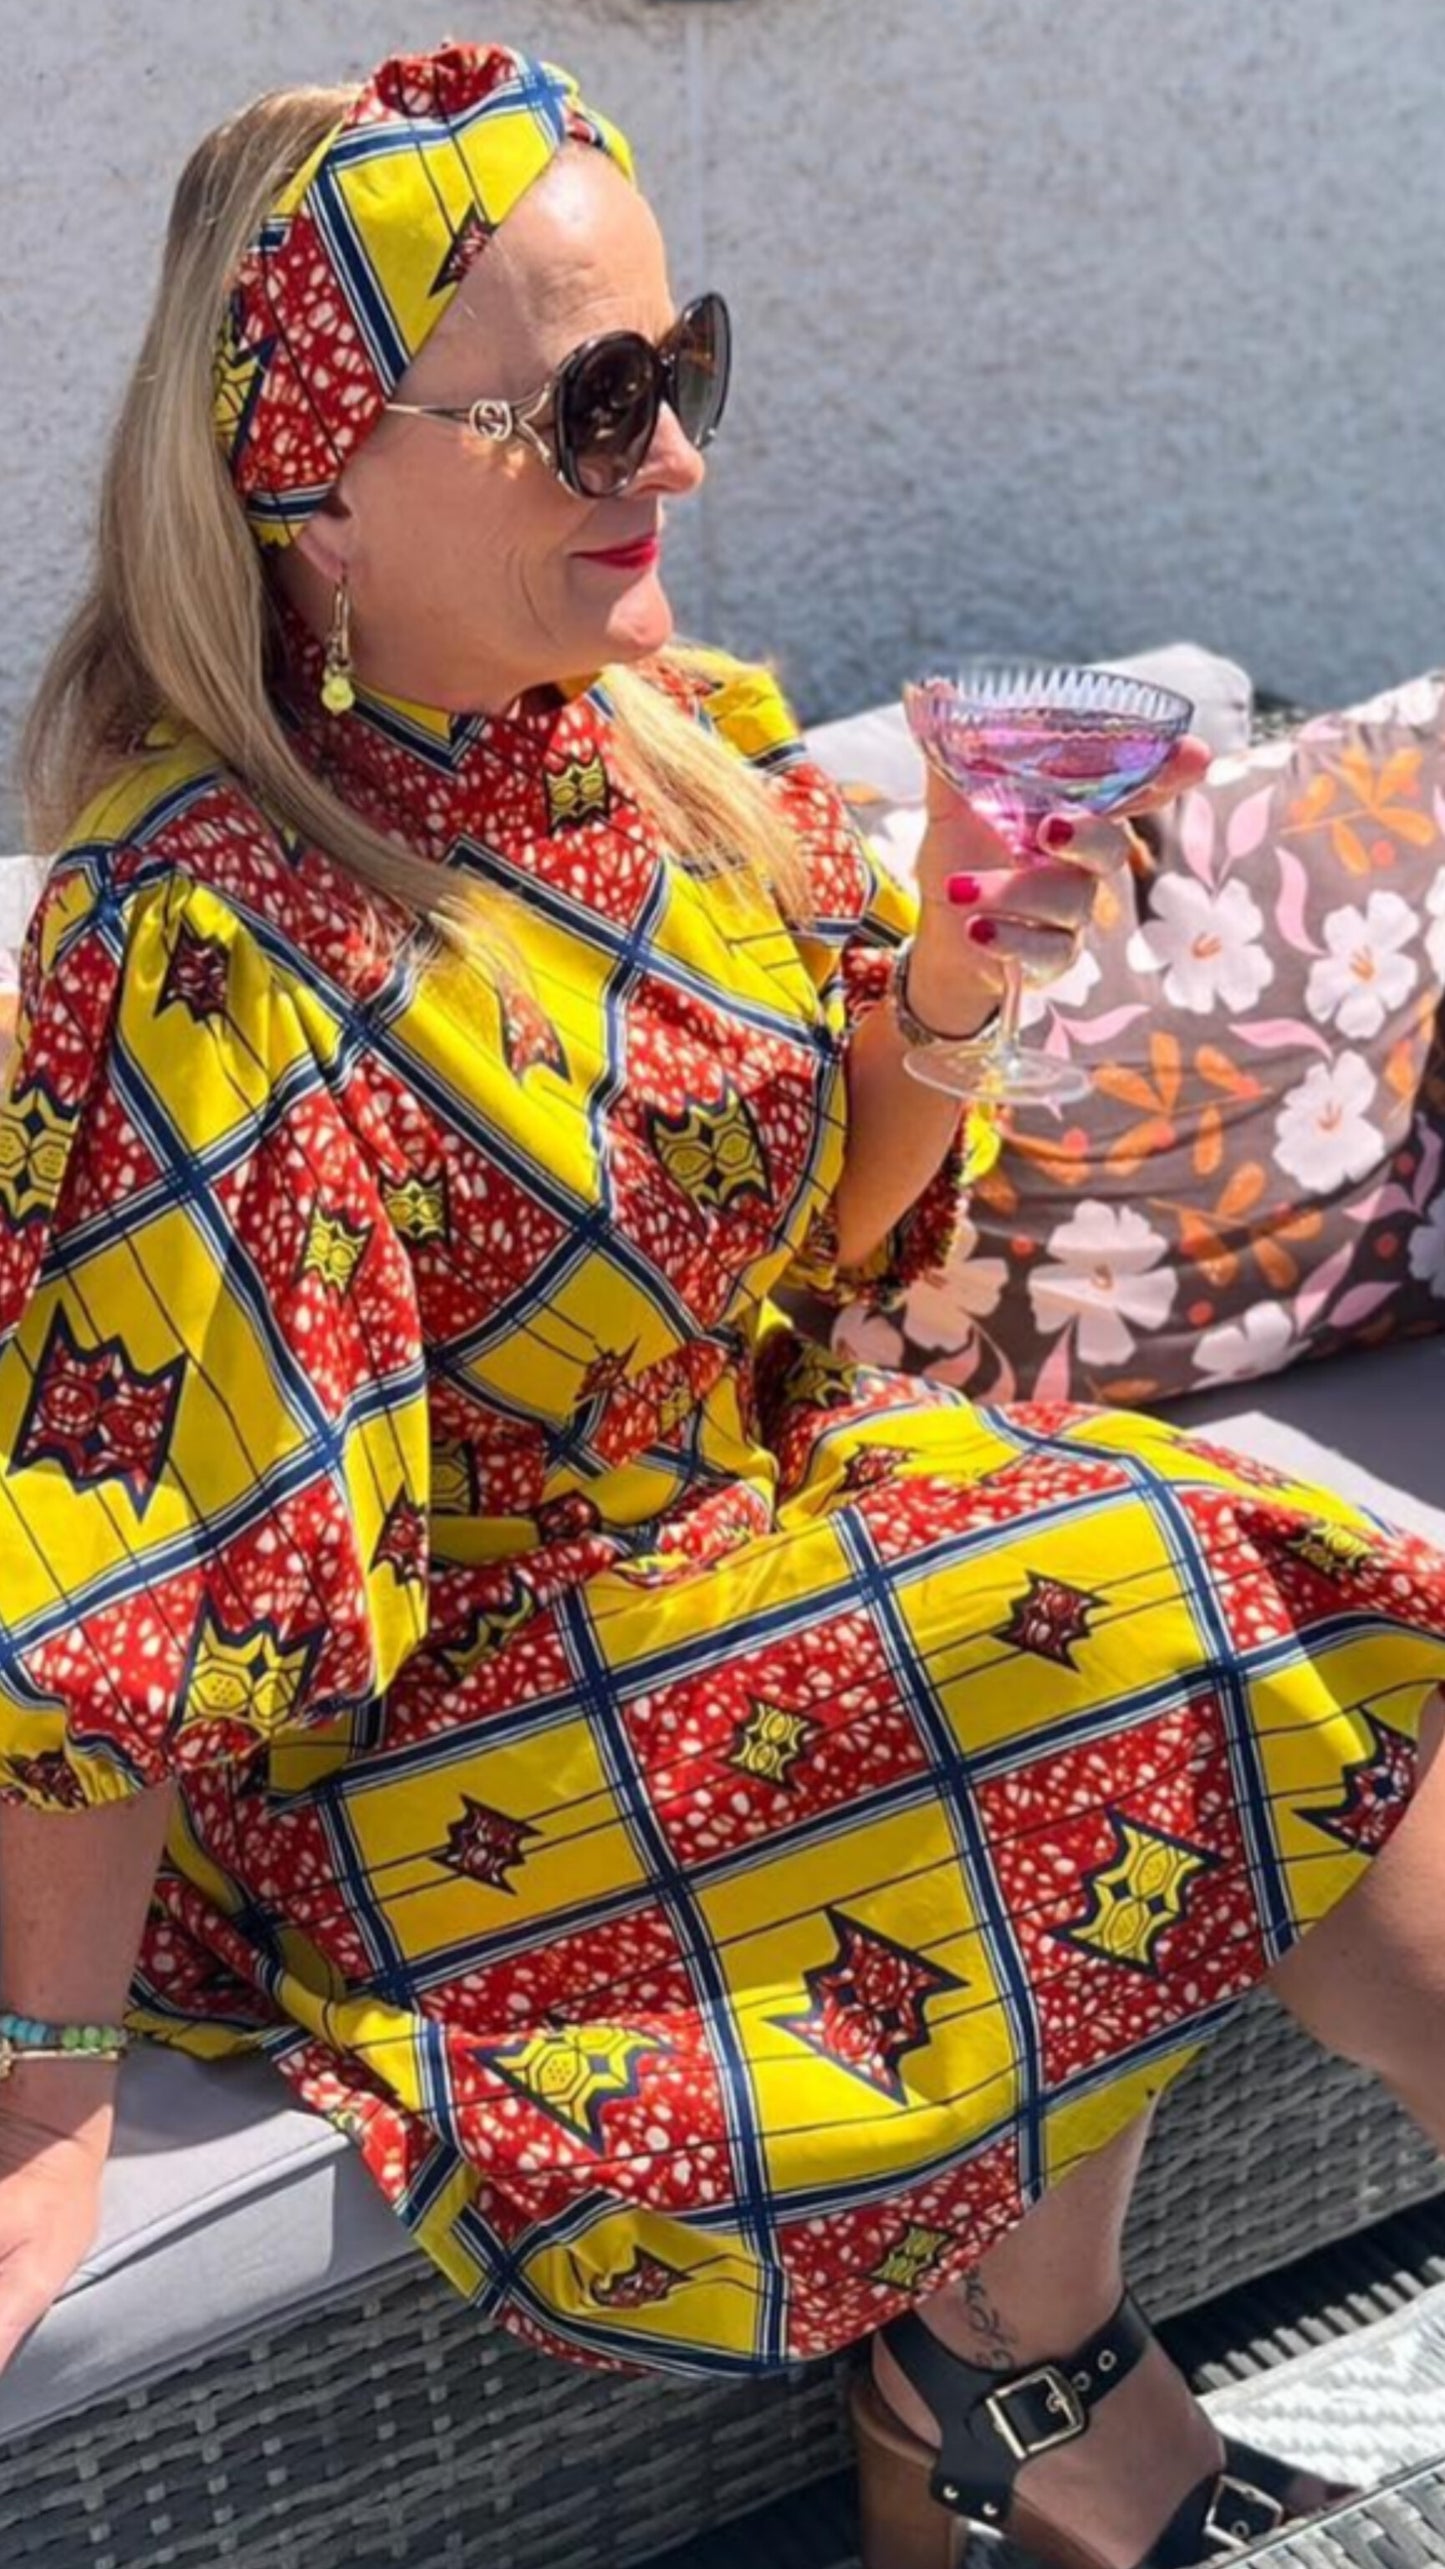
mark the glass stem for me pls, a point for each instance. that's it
(1010, 1001)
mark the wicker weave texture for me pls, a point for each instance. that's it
(1397, 2528)
(394, 2429)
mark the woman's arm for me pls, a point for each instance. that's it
(898, 1130)
(74, 1887)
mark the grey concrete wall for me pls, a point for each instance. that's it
(1061, 327)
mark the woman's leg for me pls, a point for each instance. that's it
(1369, 1980)
(1047, 2285)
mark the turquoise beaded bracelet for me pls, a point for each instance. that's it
(30, 2037)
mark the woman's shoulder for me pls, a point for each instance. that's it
(174, 897)
(176, 816)
(173, 809)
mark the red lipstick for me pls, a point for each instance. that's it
(639, 555)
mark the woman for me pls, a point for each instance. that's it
(725, 1831)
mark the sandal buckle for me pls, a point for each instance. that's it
(1030, 2436)
(1239, 2513)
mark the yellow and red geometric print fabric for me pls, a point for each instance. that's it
(721, 1826)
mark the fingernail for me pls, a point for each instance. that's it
(963, 888)
(982, 931)
(1058, 833)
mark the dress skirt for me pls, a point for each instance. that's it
(750, 1945)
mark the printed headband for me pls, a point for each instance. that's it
(352, 270)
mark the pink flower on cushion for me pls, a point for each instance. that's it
(1106, 1275)
(1323, 1137)
(943, 1307)
(1259, 1343)
(1366, 972)
(1206, 944)
(1071, 990)
(868, 1335)
(1427, 1250)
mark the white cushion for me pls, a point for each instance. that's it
(20, 880)
(225, 2208)
(1368, 1425)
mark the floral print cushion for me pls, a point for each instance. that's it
(1259, 1172)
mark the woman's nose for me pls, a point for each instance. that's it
(673, 462)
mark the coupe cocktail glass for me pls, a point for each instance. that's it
(1022, 744)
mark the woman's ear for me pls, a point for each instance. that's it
(327, 539)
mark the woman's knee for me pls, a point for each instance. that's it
(1368, 1980)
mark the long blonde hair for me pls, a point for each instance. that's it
(174, 621)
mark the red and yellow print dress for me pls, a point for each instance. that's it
(719, 1827)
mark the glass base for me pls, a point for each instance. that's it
(997, 1074)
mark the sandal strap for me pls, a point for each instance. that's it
(1227, 2511)
(992, 2423)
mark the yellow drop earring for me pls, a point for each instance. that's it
(338, 694)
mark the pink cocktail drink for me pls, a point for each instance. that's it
(1022, 745)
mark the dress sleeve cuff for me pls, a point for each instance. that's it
(922, 1239)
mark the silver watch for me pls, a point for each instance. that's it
(912, 1028)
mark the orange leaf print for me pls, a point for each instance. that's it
(996, 1190)
(1400, 774)
(1402, 1070)
(1142, 1142)
(1164, 1058)
(1277, 1264)
(1209, 1142)
(1201, 1244)
(1221, 1072)
(1415, 828)
(1242, 1190)
(1063, 1158)
(1314, 802)
(1349, 847)
(1306, 1225)
(1127, 1086)
(1360, 774)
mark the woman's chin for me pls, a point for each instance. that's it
(639, 622)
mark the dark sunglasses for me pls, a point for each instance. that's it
(605, 400)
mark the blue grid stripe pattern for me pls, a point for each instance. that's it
(672, 1889)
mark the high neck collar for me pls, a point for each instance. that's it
(423, 772)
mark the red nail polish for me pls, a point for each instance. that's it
(963, 888)
(982, 931)
(1058, 833)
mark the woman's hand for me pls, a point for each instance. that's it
(55, 2126)
(982, 910)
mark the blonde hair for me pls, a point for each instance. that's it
(174, 622)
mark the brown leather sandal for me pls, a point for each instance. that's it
(920, 2507)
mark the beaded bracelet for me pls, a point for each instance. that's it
(31, 2038)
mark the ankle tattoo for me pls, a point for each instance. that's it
(985, 2320)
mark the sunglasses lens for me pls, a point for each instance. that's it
(607, 414)
(701, 352)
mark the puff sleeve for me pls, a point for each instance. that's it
(860, 915)
(213, 1461)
